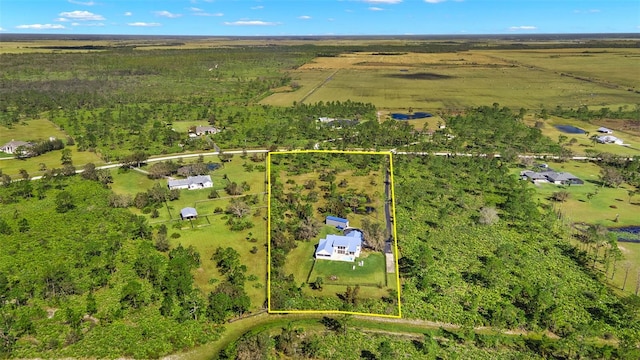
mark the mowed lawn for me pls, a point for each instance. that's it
(35, 130)
(450, 81)
(300, 260)
(210, 231)
(372, 273)
(584, 142)
(602, 208)
(631, 254)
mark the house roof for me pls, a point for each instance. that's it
(562, 176)
(549, 175)
(200, 179)
(351, 243)
(325, 246)
(604, 129)
(534, 175)
(15, 143)
(335, 218)
(607, 138)
(188, 212)
(201, 129)
(354, 233)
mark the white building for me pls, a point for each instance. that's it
(340, 248)
(609, 139)
(11, 146)
(191, 183)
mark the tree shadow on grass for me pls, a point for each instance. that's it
(367, 355)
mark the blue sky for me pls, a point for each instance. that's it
(318, 17)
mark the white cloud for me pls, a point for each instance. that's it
(199, 12)
(304, 17)
(1, 29)
(207, 14)
(61, 19)
(383, 1)
(87, 3)
(167, 14)
(590, 11)
(86, 24)
(434, 1)
(257, 7)
(524, 27)
(373, 8)
(41, 26)
(128, 13)
(143, 24)
(81, 15)
(250, 23)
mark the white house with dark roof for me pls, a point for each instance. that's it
(558, 178)
(604, 130)
(13, 145)
(204, 130)
(340, 247)
(191, 183)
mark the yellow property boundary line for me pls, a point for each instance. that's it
(395, 234)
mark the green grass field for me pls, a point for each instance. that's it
(463, 80)
(34, 130)
(615, 66)
(209, 231)
(300, 260)
(583, 143)
(601, 209)
(372, 273)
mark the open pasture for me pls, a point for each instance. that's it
(446, 81)
(613, 66)
(584, 143)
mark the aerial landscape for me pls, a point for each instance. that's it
(365, 179)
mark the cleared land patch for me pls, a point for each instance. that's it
(305, 187)
(464, 79)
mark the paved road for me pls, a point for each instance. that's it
(394, 151)
(173, 157)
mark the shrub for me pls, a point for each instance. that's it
(175, 235)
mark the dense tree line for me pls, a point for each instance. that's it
(586, 114)
(517, 271)
(95, 275)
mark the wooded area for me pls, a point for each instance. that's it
(88, 271)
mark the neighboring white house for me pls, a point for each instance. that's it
(203, 130)
(191, 183)
(604, 130)
(338, 222)
(11, 146)
(339, 247)
(609, 139)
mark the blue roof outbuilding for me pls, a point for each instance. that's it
(335, 218)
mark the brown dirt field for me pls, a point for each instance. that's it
(400, 61)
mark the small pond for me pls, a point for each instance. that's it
(569, 129)
(416, 115)
(627, 233)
